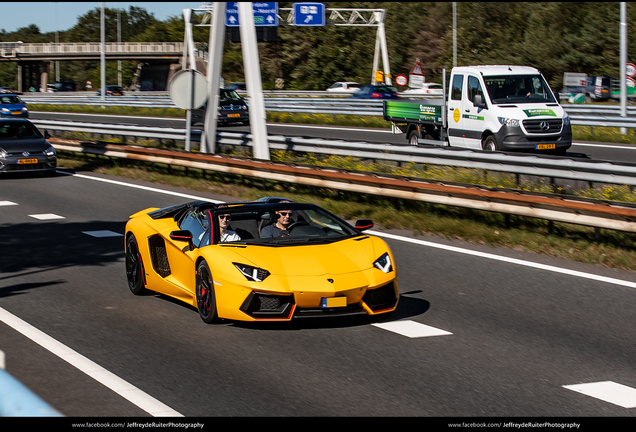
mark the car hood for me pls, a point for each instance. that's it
(25, 144)
(345, 256)
(525, 111)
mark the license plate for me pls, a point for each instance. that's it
(27, 161)
(546, 146)
(329, 302)
(16, 112)
(233, 115)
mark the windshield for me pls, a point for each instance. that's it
(18, 130)
(518, 89)
(10, 100)
(228, 95)
(289, 224)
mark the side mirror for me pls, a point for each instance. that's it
(364, 224)
(478, 101)
(558, 98)
(181, 235)
(47, 135)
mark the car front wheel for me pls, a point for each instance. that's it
(206, 300)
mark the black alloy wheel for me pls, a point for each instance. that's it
(206, 300)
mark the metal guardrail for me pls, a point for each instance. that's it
(570, 209)
(535, 165)
(581, 115)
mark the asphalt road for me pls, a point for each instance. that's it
(479, 331)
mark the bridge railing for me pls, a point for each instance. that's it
(92, 48)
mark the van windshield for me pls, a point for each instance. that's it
(518, 89)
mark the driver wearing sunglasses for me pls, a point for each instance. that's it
(227, 235)
(281, 225)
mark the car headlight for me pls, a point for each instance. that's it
(50, 151)
(25, 109)
(384, 263)
(508, 121)
(3, 153)
(5, 109)
(252, 273)
(566, 120)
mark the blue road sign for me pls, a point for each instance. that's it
(265, 14)
(309, 14)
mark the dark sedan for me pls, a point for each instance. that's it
(111, 90)
(24, 148)
(232, 109)
(376, 92)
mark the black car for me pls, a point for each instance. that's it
(237, 86)
(111, 90)
(24, 148)
(376, 92)
(232, 109)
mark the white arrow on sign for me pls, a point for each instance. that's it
(270, 19)
(309, 18)
(231, 19)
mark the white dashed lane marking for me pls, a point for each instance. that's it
(46, 216)
(608, 391)
(102, 233)
(7, 203)
(412, 329)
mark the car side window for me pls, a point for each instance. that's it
(456, 88)
(197, 222)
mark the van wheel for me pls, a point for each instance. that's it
(489, 144)
(413, 137)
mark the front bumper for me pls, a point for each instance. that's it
(39, 163)
(515, 139)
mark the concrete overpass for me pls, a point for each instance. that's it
(33, 59)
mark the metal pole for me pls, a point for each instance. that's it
(385, 54)
(623, 65)
(103, 55)
(215, 61)
(187, 14)
(376, 57)
(454, 34)
(253, 81)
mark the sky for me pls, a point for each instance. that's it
(51, 16)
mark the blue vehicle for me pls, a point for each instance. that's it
(376, 92)
(12, 106)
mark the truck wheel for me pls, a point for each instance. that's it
(489, 144)
(413, 136)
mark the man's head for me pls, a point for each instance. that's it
(284, 218)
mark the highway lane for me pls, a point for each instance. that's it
(591, 150)
(510, 334)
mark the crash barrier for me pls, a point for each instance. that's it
(16, 400)
(535, 165)
(580, 115)
(595, 213)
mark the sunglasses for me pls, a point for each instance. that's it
(225, 216)
(285, 213)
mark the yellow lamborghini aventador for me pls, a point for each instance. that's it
(260, 261)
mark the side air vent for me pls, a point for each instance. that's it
(158, 255)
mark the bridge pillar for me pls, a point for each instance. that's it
(44, 76)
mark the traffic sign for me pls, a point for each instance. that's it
(631, 70)
(401, 80)
(309, 14)
(179, 89)
(265, 14)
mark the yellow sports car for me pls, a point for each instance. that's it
(260, 261)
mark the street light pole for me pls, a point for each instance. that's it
(103, 56)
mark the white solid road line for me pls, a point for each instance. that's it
(144, 401)
(509, 260)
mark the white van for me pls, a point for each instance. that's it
(493, 108)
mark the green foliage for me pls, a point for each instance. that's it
(555, 37)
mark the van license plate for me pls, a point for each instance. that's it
(546, 146)
(27, 161)
(233, 115)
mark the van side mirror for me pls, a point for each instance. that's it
(558, 98)
(478, 101)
